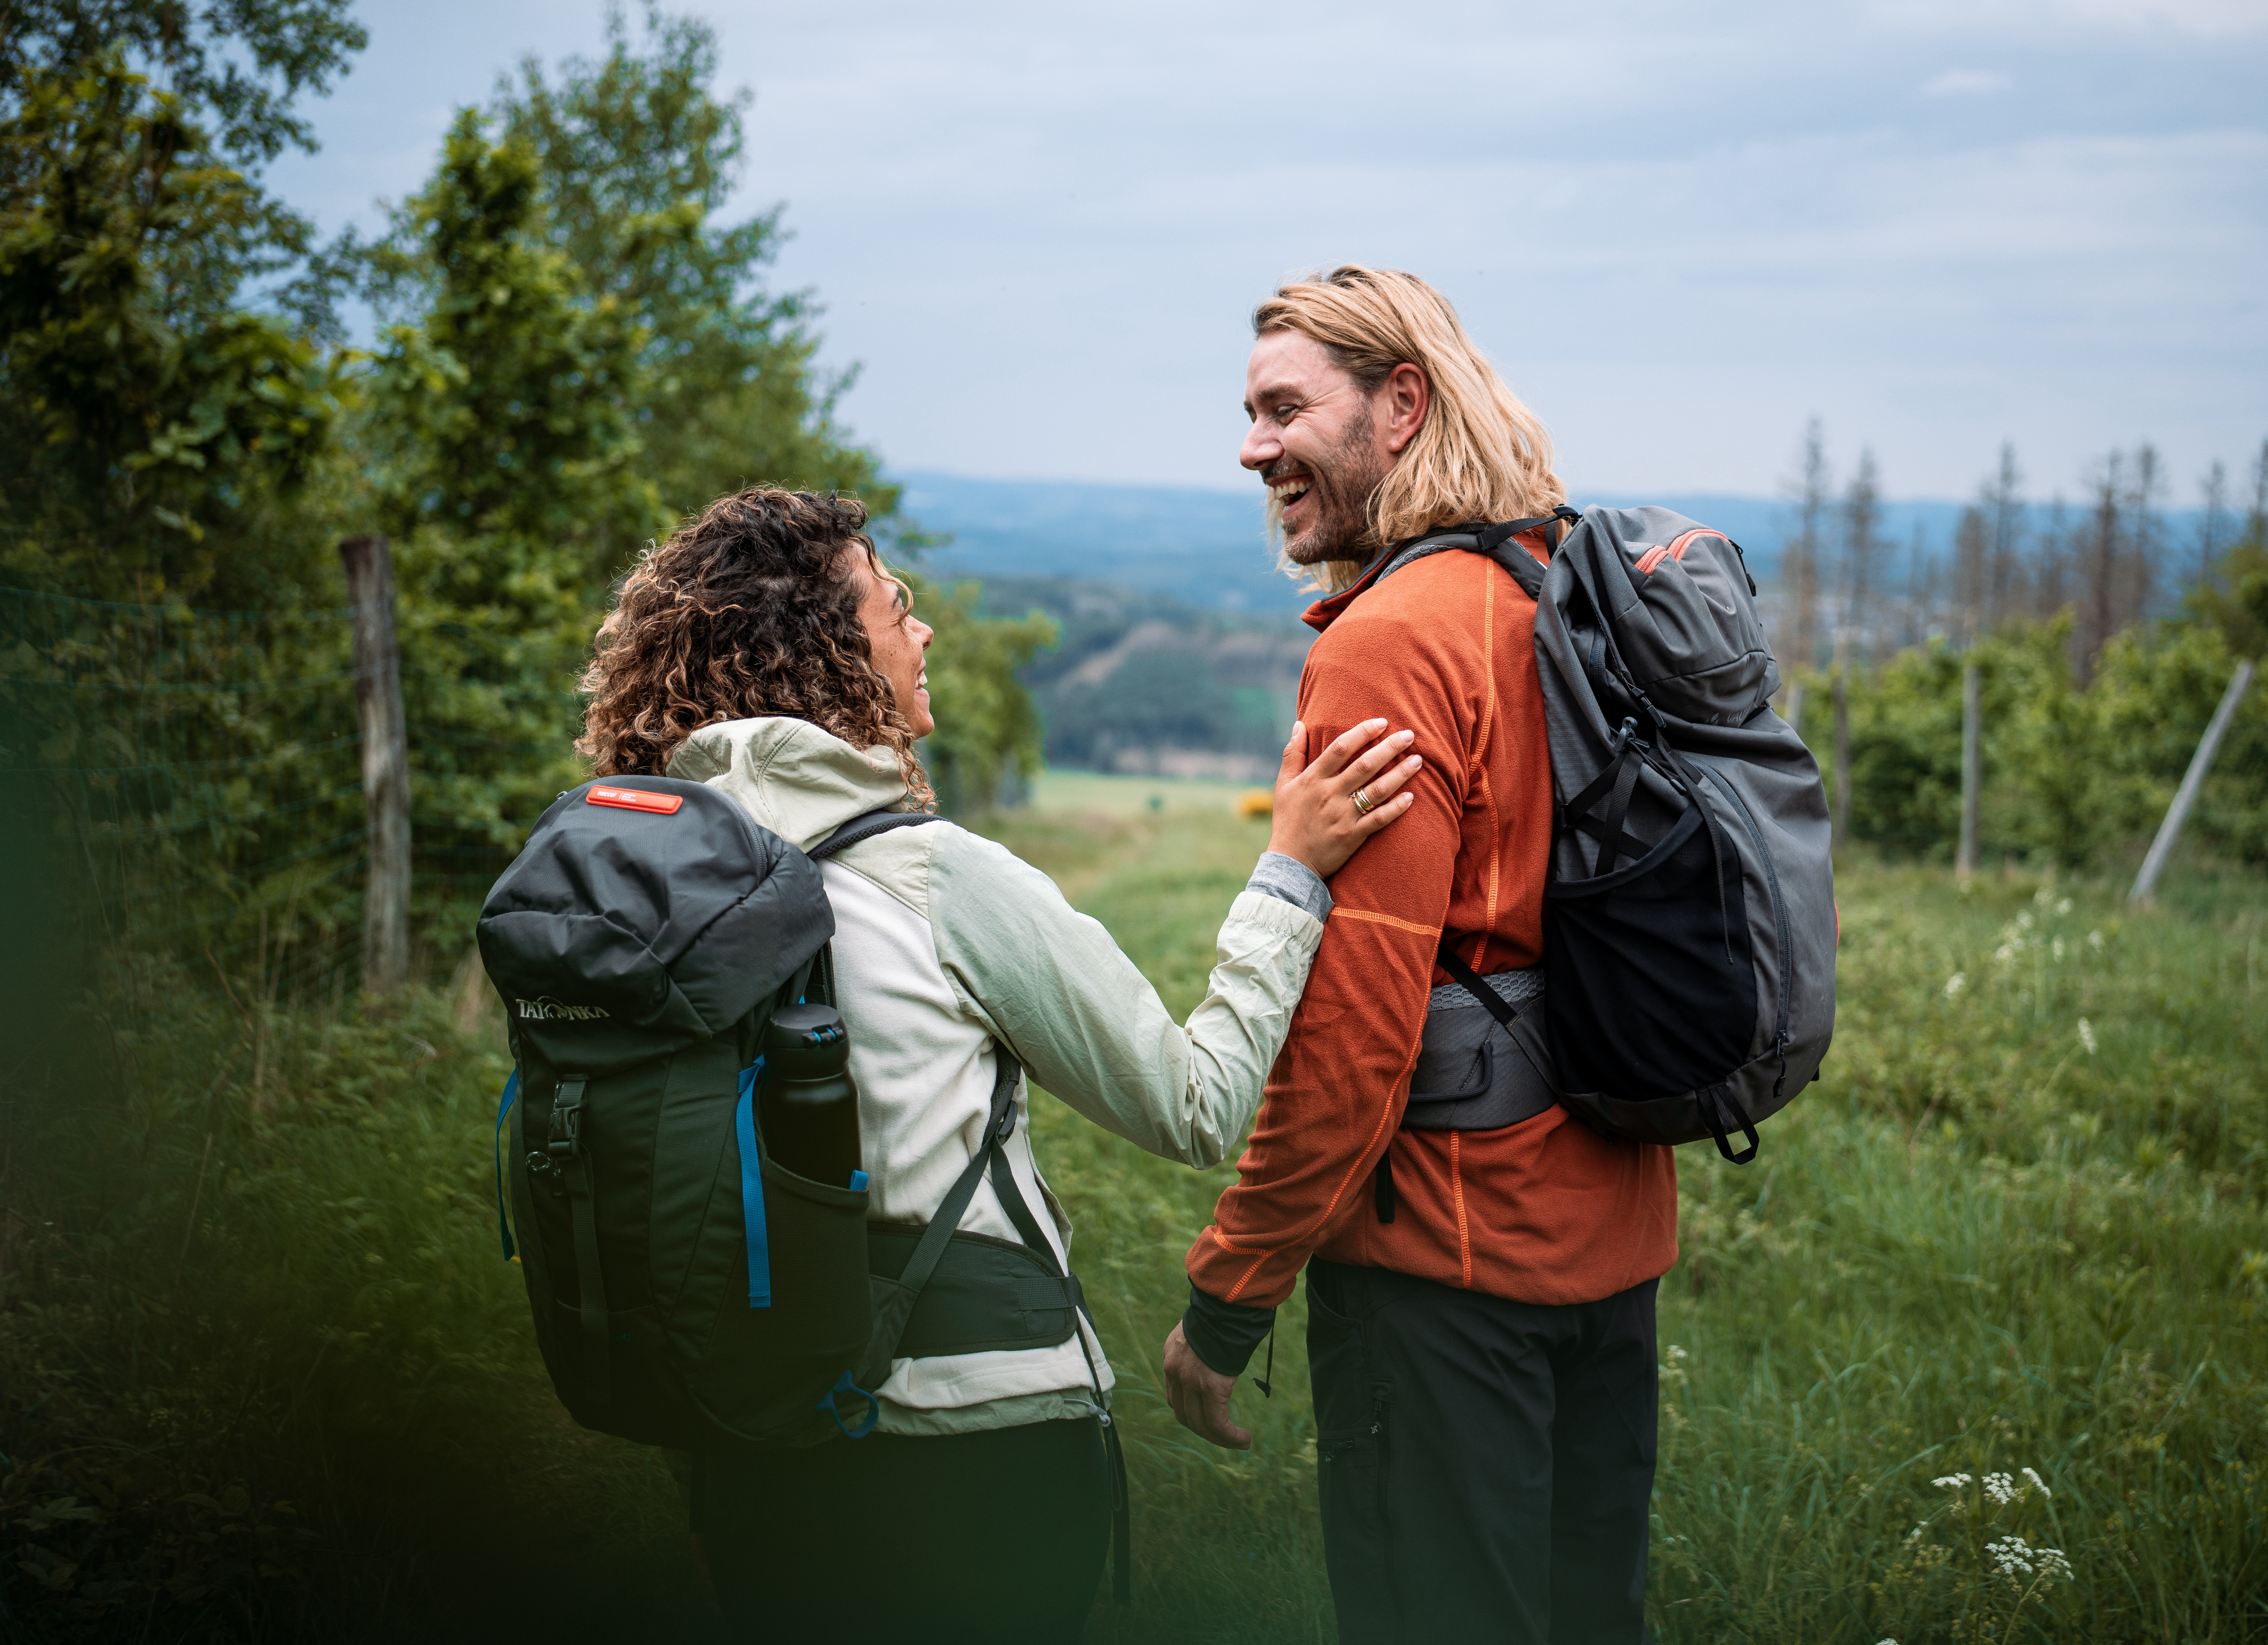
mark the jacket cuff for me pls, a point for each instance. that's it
(1291, 881)
(1224, 1334)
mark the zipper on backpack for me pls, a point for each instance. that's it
(1779, 911)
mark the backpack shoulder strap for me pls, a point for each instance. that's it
(1497, 543)
(866, 827)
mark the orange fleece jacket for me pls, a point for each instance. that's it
(1545, 1211)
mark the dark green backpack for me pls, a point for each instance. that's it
(688, 1289)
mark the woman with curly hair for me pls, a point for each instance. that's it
(765, 650)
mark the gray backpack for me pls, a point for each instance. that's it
(1690, 923)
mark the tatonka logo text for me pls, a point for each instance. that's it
(550, 1010)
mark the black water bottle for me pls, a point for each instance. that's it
(809, 1106)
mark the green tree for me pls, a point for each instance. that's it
(638, 156)
(988, 727)
(141, 409)
(507, 467)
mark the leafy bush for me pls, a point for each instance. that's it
(2072, 775)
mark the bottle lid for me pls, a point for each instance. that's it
(806, 1041)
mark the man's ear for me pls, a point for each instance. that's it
(1405, 396)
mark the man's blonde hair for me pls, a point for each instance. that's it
(1480, 455)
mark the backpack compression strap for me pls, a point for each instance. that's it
(566, 1149)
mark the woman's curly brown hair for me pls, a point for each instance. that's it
(749, 610)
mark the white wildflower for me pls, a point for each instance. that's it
(2038, 1483)
(1952, 1482)
(2055, 948)
(1955, 983)
(2095, 940)
(2010, 1555)
(2013, 1558)
(1915, 1534)
(2064, 907)
(2024, 920)
(2005, 952)
(2000, 1487)
(2087, 1034)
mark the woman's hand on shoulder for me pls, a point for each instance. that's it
(1318, 819)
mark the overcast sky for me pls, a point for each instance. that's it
(1679, 230)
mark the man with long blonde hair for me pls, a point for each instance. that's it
(1481, 1269)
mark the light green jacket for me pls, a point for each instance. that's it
(947, 945)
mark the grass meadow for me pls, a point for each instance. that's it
(267, 1376)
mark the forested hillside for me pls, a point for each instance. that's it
(1144, 682)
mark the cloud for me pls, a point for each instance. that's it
(2194, 19)
(1966, 83)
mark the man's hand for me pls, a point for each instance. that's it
(1199, 1395)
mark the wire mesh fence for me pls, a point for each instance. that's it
(202, 771)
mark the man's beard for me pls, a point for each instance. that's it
(1341, 492)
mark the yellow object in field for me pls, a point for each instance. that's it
(1255, 802)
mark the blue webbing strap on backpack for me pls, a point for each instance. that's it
(504, 1110)
(751, 1191)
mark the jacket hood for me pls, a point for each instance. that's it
(793, 777)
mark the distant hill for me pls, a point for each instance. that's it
(1208, 549)
(1181, 643)
(1205, 548)
(1147, 683)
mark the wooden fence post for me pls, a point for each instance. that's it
(369, 564)
(1972, 773)
(2185, 796)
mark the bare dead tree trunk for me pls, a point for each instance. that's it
(2142, 512)
(369, 564)
(1921, 576)
(1971, 554)
(2050, 585)
(1802, 560)
(2213, 490)
(2103, 570)
(1972, 766)
(2255, 521)
(2004, 509)
(1862, 515)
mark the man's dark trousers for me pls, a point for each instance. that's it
(1484, 1465)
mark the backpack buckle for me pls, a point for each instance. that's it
(567, 1121)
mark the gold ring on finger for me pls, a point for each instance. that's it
(1363, 803)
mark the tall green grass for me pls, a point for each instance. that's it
(1990, 1239)
(266, 1375)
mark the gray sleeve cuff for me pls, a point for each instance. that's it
(1289, 880)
